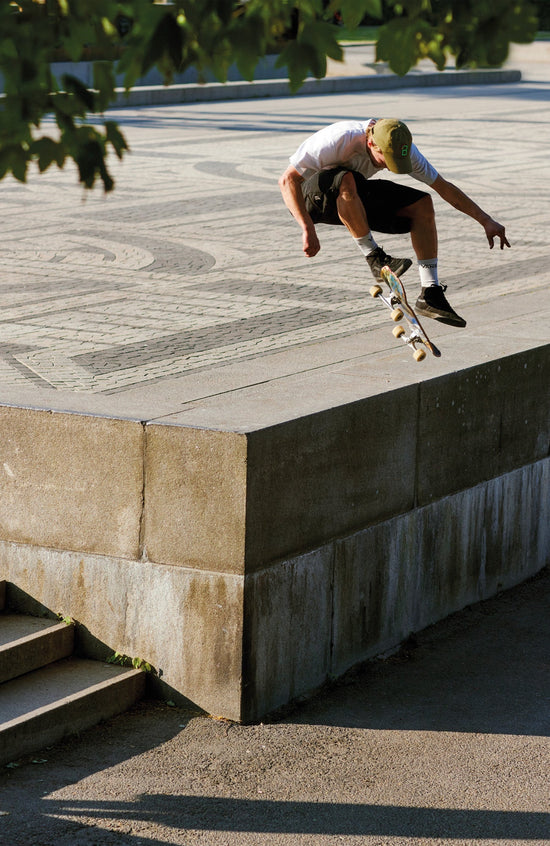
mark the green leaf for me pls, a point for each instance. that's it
(248, 44)
(297, 62)
(14, 159)
(316, 40)
(104, 84)
(8, 50)
(353, 11)
(397, 44)
(77, 88)
(165, 43)
(19, 163)
(116, 138)
(47, 151)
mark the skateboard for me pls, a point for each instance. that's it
(400, 307)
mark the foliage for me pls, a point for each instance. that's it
(66, 619)
(476, 32)
(126, 661)
(543, 13)
(130, 37)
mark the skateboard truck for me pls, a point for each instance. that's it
(400, 307)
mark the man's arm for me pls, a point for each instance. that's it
(290, 185)
(459, 200)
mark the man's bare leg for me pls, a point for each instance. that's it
(351, 212)
(432, 301)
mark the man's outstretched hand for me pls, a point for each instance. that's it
(493, 230)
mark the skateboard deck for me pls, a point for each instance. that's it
(400, 307)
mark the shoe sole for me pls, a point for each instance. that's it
(406, 264)
(449, 320)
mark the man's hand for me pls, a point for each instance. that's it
(290, 185)
(495, 230)
(310, 242)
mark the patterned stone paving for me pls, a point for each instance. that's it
(194, 262)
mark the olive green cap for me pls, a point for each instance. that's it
(394, 139)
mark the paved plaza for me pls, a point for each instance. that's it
(188, 282)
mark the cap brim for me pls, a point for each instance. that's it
(400, 165)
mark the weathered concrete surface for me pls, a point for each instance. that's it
(362, 595)
(287, 646)
(483, 422)
(216, 507)
(28, 643)
(195, 498)
(187, 624)
(420, 568)
(70, 482)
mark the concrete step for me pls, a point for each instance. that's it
(27, 643)
(46, 693)
(43, 707)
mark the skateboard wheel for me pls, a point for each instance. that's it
(396, 315)
(419, 355)
(398, 331)
(375, 291)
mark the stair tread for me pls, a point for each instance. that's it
(55, 684)
(14, 627)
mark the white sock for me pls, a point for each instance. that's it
(366, 244)
(428, 272)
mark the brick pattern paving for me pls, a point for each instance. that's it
(194, 261)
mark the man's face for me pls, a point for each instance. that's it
(376, 154)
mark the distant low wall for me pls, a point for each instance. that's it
(250, 567)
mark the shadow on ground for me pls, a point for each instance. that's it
(160, 775)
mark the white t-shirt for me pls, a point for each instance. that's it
(342, 144)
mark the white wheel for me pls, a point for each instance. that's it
(375, 291)
(398, 331)
(419, 355)
(396, 315)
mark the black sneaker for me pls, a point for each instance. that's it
(433, 303)
(379, 259)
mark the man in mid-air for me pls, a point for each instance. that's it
(329, 181)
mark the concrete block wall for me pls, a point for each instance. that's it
(250, 566)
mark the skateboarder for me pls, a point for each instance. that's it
(328, 181)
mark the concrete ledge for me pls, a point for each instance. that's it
(71, 481)
(480, 423)
(315, 616)
(326, 474)
(195, 498)
(157, 95)
(231, 502)
(249, 565)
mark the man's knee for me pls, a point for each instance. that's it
(422, 209)
(348, 188)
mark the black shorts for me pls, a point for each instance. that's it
(381, 199)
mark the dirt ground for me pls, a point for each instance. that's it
(447, 742)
